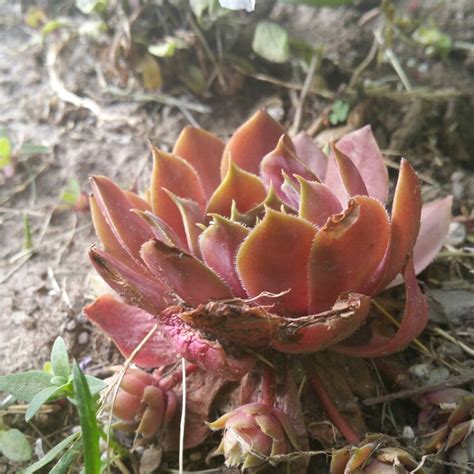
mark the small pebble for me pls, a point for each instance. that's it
(408, 432)
(83, 338)
(71, 325)
(456, 234)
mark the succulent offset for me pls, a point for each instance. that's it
(262, 244)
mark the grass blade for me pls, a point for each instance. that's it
(87, 417)
(71, 455)
(53, 453)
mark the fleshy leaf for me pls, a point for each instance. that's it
(311, 155)
(272, 257)
(435, 220)
(107, 237)
(178, 176)
(129, 230)
(349, 174)
(360, 146)
(282, 158)
(347, 252)
(414, 320)
(245, 189)
(219, 244)
(127, 326)
(251, 142)
(405, 223)
(190, 279)
(161, 230)
(133, 286)
(137, 201)
(317, 202)
(203, 151)
(191, 215)
(205, 353)
(317, 332)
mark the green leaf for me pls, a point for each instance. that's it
(71, 455)
(25, 385)
(87, 418)
(53, 453)
(167, 47)
(271, 42)
(27, 237)
(51, 26)
(72, 193)
(95, 385)
(199, 7)
(5, 152)
(28, 149)
(15, 446)
(40, 399)
(60, 359)
(89, 6)
(339, 112)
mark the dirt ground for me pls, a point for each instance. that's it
(43, 292)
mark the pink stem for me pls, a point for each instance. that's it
(332, 411)
(268, 385)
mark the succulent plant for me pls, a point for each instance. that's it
(375, 455)
(284, 251)
(141, 399)
(262, 244)
(450, 411)
(253, 434)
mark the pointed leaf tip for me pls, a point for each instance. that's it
(251, 142)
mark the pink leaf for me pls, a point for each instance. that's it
(128, 326)
(205, 353)
(414, 320)
(360, 146)
(311, 155)
(190, 279)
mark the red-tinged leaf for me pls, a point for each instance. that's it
(311, 155)
(272, 257)
(282, 158)
(137, 201)
(161, 230)
(435, 220)
(205, 353)
(127, 406)
(349, 174)
(203, 151)
(135, 287)
(190, 279)
(251, 142)
(291, 191)
(316, 332)
(245, 189)
(405, 223)
(191, 215)
(129, 230)
(360, 146)
(414, 320)
(107, 237)
(178, 176)
(128, 326)
(317, 202)
(347, 252)
(219, 244)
